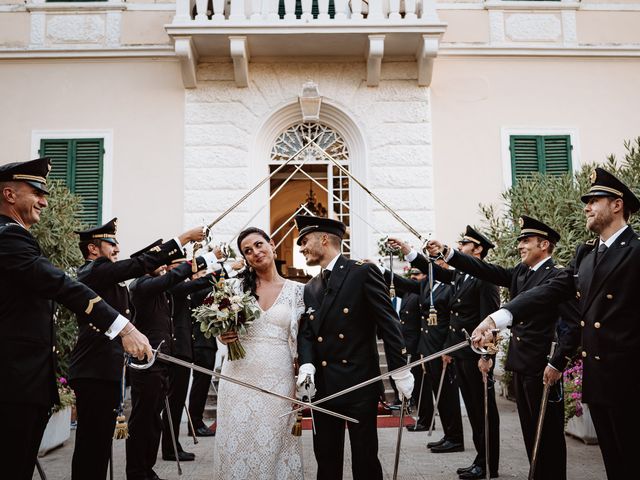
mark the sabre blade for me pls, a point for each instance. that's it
(198, 368)
(433, 356)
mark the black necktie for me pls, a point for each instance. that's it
(460, 281)
(528, 274)
(326, 274)
(602, 249)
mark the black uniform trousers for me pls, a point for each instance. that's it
(96, 405)
(617, 428)
(23, 426)
(328, 443)
(472, 390)
(178, 386)
(449, 405)
(148, 391)
(552, 454)
(204, 357)
(422, 394)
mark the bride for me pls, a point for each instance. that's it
(252, 441)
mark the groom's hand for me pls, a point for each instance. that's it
(305, 386)
(404, 383)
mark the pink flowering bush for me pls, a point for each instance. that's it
(67, 397)
(573, 390)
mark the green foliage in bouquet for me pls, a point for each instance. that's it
(227, 309)
(59, 244)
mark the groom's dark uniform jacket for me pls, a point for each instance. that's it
(339, 329)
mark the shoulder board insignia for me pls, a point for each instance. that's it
(359, 263)
(591, 242)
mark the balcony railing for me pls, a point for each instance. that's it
(306, 28)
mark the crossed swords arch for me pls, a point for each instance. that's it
(312, 142)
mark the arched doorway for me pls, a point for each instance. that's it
(309, 184)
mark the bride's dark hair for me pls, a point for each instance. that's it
(248, 276)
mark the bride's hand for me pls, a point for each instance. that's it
(228, 337)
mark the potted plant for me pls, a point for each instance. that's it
(59, 427)
(577, 418)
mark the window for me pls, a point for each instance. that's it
(79, 163)
(539, 153)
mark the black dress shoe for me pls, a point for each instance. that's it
(436, 444)
(465, 469)
(203, 431)
(418, 427)
(476, 472)
(182, 456)
(448, 447)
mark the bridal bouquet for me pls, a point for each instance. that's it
(227, 310)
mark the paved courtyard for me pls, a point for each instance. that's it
(585, 461)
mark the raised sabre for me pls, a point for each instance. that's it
(468, 342)
(543, 411)
(168, 358)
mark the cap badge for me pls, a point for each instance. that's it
(593, 176)
(521, 222)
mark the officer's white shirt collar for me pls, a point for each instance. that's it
(332, 263)
(540, 263)
(613, 237)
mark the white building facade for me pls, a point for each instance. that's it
(427, 104)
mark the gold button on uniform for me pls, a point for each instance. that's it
(324, 363)
(518, 338)
(340, 336)
(597, 324)
(127, 311)
(584, 354)
(344, 361)
(345, 310)
(320, 339)
(577, 294)
(311, 317)
(582, 323)
(53, 349)
(609, 296)
(597, 357)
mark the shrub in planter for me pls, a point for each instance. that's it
(59, 244)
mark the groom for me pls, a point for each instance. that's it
(347, 306)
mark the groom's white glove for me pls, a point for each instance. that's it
(404, 383)
(304, 384)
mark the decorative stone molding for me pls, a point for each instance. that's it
(38, 22)
(114, 20)
(75, 29)
(569, 28)
(374, 59)
(496, 26)
(533, 27)
(188, 56)
(427, 52)
(240, 54)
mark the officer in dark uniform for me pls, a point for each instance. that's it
(531, 339)
(180, 297)
(603, 276)
(29, 287)
(204, 355)
(149, 387)
(471, 298)
(432, 339)
(345, 309)
(96, 363)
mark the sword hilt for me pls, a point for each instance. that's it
(143, 366)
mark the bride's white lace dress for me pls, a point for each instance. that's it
(252, 441)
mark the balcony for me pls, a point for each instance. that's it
(242, 29)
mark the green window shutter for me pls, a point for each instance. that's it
(557, 154)
(78, 162)
(544, 154)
